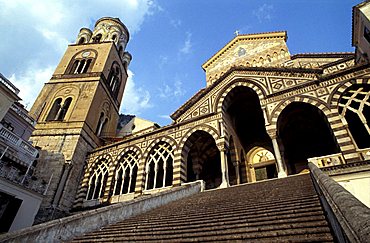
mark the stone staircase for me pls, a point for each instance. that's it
(278, 210)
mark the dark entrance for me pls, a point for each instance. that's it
(305, 133)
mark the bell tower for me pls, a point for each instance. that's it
(77, 108)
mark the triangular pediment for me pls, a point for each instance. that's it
(255, 50)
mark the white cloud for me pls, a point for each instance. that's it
(186, 48)
(167, 117)
(135, 99)
(37, 33)
(30, 83)
(264, 12)
(170, 92)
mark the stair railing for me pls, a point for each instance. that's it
(349, 218)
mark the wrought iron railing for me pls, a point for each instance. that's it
(28, 181)
(17, 142)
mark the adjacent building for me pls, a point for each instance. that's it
(20, 191)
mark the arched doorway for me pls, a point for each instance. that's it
(262, 164)
(304, 132)
(244, 116)
(203, 159)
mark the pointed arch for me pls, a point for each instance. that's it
(159, 165)
(98, 177)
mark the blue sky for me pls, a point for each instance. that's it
(170, 40)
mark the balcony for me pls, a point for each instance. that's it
(16, 176)
(25, 152)
(23, 113)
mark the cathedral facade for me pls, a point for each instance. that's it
(264, 114)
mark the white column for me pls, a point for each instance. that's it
(225, 175)
(279, 161)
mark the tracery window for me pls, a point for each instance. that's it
(159, 167)
(59, 109)
(98, 180)
(126, 173)
(354, 106)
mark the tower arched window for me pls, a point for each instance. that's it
(101, 124)
(54, 110)
(81, 40)
(114, 79)
(64, 109)
(126, 173)
(98, 180)
(80, 66)
(59, 109)
(159, 167)
(354, 106)
(97, 38)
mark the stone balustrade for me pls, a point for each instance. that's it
(348, 216)
(328, 160)
(19, 144)
(364, 153)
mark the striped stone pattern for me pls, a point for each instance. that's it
(185, 145)
(344, 141)
(223, 101)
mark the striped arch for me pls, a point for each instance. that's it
(142, 170)
(343, 132)
(302, 98)
(184, 148)
(166, 139)
(133, 148)
(126, 170)
(90, 173)
(219, 101)
(340, 132)
(340, 89)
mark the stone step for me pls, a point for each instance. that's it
(194, 226)
(281, 210)
(313, 210)
(226, 233)
(161, 214)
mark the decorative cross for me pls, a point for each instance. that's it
(236, 32)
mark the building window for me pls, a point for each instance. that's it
(367, 34)
(98, 180)
(126, 173)
(59, 109)
(159, 167)
(80, 66)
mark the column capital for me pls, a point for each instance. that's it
(272, 134)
